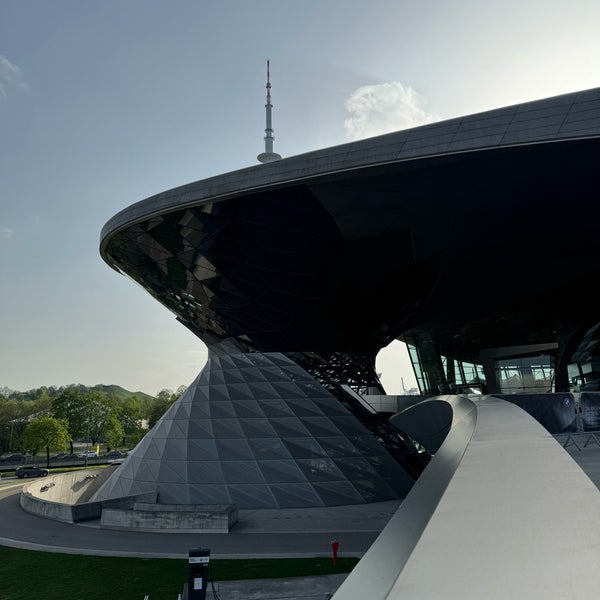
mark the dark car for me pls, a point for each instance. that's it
(30, 471)
(115, 454)
(15, 458)
(63, 456)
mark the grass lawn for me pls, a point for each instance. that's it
(27, 574)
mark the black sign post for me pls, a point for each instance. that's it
(198, 573)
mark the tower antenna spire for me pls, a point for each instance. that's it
(268, 155)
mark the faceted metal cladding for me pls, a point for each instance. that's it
(257, 431)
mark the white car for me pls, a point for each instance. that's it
(88, 454)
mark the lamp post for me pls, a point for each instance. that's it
(87, 439)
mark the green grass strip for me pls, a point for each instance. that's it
(27, 574)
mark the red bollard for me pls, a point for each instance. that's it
(334, 546)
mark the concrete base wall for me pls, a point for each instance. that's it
(183, 518)
(64, 497)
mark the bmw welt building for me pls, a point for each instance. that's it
(474, 240)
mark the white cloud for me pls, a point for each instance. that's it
(6, 233)
(10, 75)
(377, 109)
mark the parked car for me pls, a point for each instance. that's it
(63, 456)
(14, 458)
(30, 471)
(89, 454)
(115, 454)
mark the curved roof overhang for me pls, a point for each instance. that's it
(561, 118)
(525, 166)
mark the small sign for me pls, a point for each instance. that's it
(198, 560)
(197, 583)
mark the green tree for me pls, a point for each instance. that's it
(131, 412)
(70, 405)
(159, 407)
(98, 411)
(113, 432)
(48, 433)
(14, 416)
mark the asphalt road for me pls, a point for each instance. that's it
(260, 533)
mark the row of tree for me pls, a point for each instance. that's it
(53, 420)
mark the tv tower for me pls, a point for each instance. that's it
(268, 155)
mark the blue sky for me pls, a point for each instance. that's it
(104, 103)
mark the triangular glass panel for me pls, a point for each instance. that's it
(252, 375)
(323, 469)
(263, 391)
(274, 374)
(279, 359)
(216, 376)
(241, 360)
(350, 425)
(257, 428)
(313, 389)
(296, 495)
(175, 450)
(222, 409)
(239, 391)
(305, 448)
(248, 409)
(256, 495)
(199, 393)
(237, 471)
(334, 493)
(153, 451)
(276, 408)
(200, 429)
(210, 494)
(148, 471)
(178, 429)
(355, 466)
(304, 408)
(218, 393)
(200, 410)
(173, 493)
(173, 471)
(199, 449)
(374, 490)
(321, 427)
(287, 389)
(287, 427)
(182, 411)
(205, 471)
(233, 376)
(331, 406)
(268, 449)
(281, 471)
(234, 450)
(339, 447)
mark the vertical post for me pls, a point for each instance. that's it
(198, 573)
(334, 547)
